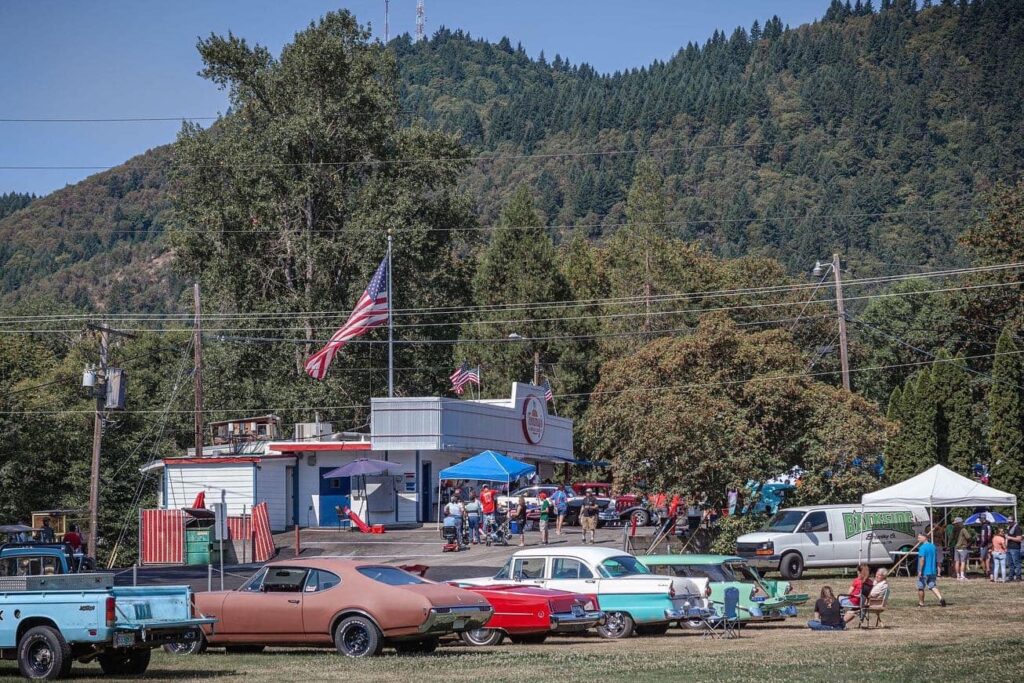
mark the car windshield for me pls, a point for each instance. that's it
(390, 576)
(784, 521)
(712, 572)
(622, 565)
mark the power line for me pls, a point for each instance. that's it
(222, 331)
(439, 310)
(565, 227)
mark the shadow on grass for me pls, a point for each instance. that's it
(86, 672)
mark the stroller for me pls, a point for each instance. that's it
(496, 530)
(455, 535)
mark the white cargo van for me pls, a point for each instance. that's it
(832, 536)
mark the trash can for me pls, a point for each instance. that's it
(198, 546)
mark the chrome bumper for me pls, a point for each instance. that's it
(762, 561)
(463, 618)
(567, 622)
(687, 613)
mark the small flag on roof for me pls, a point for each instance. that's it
(464, 375)
(548, 393)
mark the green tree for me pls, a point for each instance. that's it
(283, 209)
(707, 412)
(1006, 416)
(956, 436)
(895, 445)
(521, 291)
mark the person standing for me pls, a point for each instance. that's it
(520, 517)
(588, 517)
(46, 534)
(487, 507)
(546, 509)
(964, 539)
(985, 546)
(927, 570)
(999, 556)
(473, 516)
(1013, 539)
(74, 539)
(561, 502)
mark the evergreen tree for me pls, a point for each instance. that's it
(895, 448)
(519, 269)
(956, 437)
(1006, 416)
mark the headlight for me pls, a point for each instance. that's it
(767, 548)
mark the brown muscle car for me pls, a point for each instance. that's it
(357, 607)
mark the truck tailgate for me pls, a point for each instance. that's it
(155, 607)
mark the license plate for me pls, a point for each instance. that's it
(124, 639)
(577, 611)
(459, 624)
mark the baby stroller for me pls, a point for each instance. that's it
(455, 535)
(496, 531)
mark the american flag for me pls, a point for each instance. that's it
(371, 311)
(464, 375)
(548, 393)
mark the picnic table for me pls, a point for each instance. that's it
(905, 562)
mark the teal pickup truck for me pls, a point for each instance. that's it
(48, 622)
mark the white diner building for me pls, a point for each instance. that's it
(424, 435)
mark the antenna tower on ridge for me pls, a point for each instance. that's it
(421, 20)
(387, 27)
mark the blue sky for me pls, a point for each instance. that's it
(125, 58)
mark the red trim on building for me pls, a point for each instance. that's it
(224, 459)
(303, 447)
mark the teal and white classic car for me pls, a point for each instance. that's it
(632, 598)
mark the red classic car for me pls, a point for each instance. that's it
(356, 606)
(527, 614)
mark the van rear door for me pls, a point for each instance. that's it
(817, 539)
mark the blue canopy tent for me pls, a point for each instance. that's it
(486, 466)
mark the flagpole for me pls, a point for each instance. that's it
(391, 328)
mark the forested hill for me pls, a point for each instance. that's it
(874, 131)
(862, 114)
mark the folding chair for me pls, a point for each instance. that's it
(726, 624)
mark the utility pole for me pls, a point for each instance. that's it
(844, 353)
(387, 27)
(536, 368)
(197, 375)
(100, 394)
(421, 20)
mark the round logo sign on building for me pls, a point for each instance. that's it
(533, 419)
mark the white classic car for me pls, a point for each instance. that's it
(632, 598)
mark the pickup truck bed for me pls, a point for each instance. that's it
(47, 622)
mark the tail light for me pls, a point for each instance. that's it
(789, 589)
(707, 591)
(672, 590)
(111, 612)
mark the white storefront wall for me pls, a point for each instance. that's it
(423, 435)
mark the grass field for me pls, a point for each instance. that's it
(979, 636)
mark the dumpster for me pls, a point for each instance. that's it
(198, 546)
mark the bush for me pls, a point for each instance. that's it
(728, 529)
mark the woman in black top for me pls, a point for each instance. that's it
(827, 613)
(520, 517)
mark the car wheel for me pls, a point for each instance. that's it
(125, 663)
(792, 566)
(416, 647)
(694, 624)
(244, 649)
(358, 637)
(640, 517)
(616, 625)
(482, 636)
(43, 654)
(195, 646)
(532, 639)
(652, 629)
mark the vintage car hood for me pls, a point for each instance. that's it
(443, 595)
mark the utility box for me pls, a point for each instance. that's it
(116, 379)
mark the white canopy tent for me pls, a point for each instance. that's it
(938, 487)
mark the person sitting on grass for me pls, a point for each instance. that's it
(828, 614)
(926, 570)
